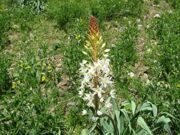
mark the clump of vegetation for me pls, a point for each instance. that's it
(44, 88)
(66, 11)
(166, 67)
(97, 91)
(4, 27)
(4, 77)
(110, 9)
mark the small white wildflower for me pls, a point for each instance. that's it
(86, 78)
(99, 113)
(149, 50)
(160, 83)
(94, 119)
(113, 93)
(85, 53)
(167, 86)
(113, 45)
(157, 16)
(139, 26)
(138, 20)
(108, 105)
(155, 61)
(81, 92)
(105, 55)
(148, 82)
(147, 26)
(103, 45)
(131, 74)
(105, 65)
(84, 112)
(106, 81)
(89, 98)
(170, 11)
(101, 99)
(107, 50)
(98, 91)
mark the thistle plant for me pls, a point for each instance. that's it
(96, 77)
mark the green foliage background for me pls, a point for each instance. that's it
(41, 45)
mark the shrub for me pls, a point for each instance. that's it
(66, 11)
(4, 77)
(174, 3)
(4, 27)
(72, 58)
(108, 9)
(123, 54)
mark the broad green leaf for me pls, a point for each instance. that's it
(85, 132)
(154, 107)
(167, 129)
(133, 106)
(117, 113)
(142, 123)
(125, 114)
(108, 127)
(164, 120)
(59, 133)
(93, 127)
(141, 132)
(145, 107)
(168, 114)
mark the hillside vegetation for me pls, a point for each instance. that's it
(43, 44)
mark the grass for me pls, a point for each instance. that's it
(40, 55)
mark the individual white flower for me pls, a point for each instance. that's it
(86, 78)
(113, 93)
(148, 82)
(108, 105)
(107, 50)
(131, 74)
(105, 55)
(103, 45)
(138, 20)
(83, 62)
(83, 69)
(94, 119)
(105, 65)
(157, 16)
(106, 81)
(84, 112)
(92, 70)
(147, 26)
(148, 50)
(99, 113)
(101, 99)
(81, 93)
(139, 26)
(99, 91)
(89, 98)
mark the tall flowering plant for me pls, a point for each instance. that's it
(98, 92)
(96, 87)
